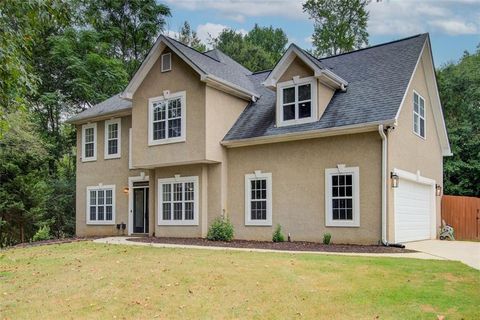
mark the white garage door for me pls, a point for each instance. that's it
(413, 211)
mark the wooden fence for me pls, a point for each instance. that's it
(463, 214)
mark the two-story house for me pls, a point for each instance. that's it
(350, 144)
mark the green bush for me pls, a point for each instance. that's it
(326, 238)
(42, 234)
(278, 235)
(220, 230)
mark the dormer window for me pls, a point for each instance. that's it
(166, 62)
(296, 101)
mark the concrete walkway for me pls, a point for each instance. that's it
(124, 241)
(467, 252)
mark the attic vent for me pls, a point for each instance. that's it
(166, 62)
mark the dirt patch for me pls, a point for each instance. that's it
(281, 246)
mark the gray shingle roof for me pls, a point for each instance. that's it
(218, 64)
(377, 78)
(113, 104)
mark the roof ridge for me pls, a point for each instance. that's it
(374, 46)
(183, 44)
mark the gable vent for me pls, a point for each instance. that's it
(166, 62)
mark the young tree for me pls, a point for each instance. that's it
(189, 37)
(258, 50)
(339, 25)
(459, 86)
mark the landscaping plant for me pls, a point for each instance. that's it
(42, 234)
(220, 230)
(278, 235)
(326, 238)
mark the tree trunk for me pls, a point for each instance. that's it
(22, 234)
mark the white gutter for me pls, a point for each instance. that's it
(384, 183)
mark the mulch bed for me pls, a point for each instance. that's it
(281, 246)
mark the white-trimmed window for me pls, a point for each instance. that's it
(101, 204)
(166, 119)
(178, 201)
(89, 142)
(418, 115)
(297, 101)
(166, 62)
(113, 132)
(258, 199)
(342, 197)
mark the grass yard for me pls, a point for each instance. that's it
(97, 281)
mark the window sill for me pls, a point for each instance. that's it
(177, 223)
(343, 224)
(258, 224)
(423, 138)
(89, 159)
(166, 141)
(295, 122)
(97, 223)
(112, 156)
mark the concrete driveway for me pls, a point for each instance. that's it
(465, 251)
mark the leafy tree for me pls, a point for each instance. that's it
(130, 26)
(258, 50)
(23, 188)
(273, 41)
(19, 25)
(339, 25)
(459, 86)
(189, 37)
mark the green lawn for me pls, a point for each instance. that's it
(87, 280)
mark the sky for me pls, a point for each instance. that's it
(454, 26)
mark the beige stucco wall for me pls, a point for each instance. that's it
(296, 68)
(181, 78)
(105, 171)
(409, 152)
(222, 111)
(298, 185)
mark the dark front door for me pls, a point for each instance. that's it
(140, 210)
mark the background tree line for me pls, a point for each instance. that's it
(60, 57)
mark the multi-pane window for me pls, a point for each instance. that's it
(167, 119)
(418, 115)
(178, 202)
(101, 205)
(89, 144)
(342, 197)
(112, 138)
(258, 201)
(296, 102)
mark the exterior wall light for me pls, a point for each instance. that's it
(438, 190)
(395, 179)
(125, 190)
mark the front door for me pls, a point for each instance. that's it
(140, 210)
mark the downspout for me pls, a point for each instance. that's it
(381, 131)
(384, 184)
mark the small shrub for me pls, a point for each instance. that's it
(220, 230)
(42, 234)
(278, 235)
(326, 238)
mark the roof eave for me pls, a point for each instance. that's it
(302, 135)
(224, 85)
(108, 115)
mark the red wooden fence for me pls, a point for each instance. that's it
(463, 214)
